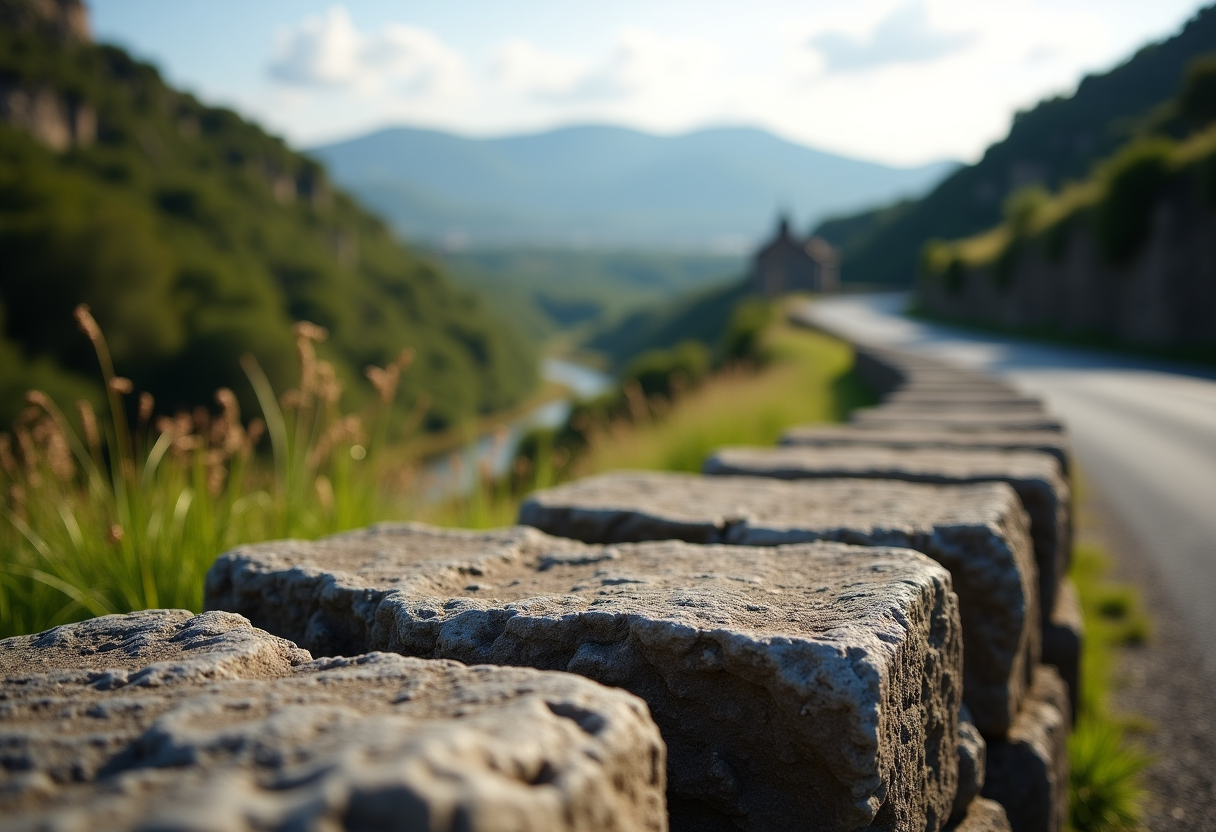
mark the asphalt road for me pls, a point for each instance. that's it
(1144, 433)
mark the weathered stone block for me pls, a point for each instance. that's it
(1064, 639)
(1035, 477)
(972, 764)
(1054, 443)
(957, 419)
(983, 815)
(948, 404)
(812, 686)
(963, 397)
(164, 720)
(978, 532)
(886, 370)
(1028, 772)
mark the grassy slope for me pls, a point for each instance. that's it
(701, 317)
(808, 380)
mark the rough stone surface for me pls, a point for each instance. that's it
(167, 721)
(979, 532)
(1053, 443)
(963, 397)
(954, 419)
(972, 764)
(887, 370)
(1035, 477)
(811, 686)
(1028, 772)
(983, 815)
(1064, 639)
(949, 402)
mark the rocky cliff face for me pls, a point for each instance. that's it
(1164, 295)
(62, 21)
(56, 120)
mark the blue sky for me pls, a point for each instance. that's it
(900, 81)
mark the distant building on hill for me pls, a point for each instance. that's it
(791, 264)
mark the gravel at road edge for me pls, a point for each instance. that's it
(1164, 683)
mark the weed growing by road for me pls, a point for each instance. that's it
(1104, 793)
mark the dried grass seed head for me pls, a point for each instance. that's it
(122, 386)
(86, 322)
(146, 403)
(7, 461)
(308, 331)
(88, 423)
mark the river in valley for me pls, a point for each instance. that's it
(493, 451)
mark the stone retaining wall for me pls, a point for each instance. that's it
(867, 627)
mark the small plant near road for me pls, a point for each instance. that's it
(1105, 795)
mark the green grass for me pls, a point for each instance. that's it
(1105, 793)
(808, 379)
(96, 518)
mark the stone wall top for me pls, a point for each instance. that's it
(810, 685)
(101, 730)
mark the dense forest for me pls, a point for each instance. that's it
(196, 237)
(1059, 140)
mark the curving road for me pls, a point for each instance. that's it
(1144, 431)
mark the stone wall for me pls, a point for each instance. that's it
(784, 642)
(1165, 295)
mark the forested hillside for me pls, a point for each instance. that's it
(1128, 256)
(1060, 139)
(196, 237)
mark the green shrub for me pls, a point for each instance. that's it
(1134, 180)
(743, 337)
(939, 262)
(1104, 771)
(666, 372)
(1022, 206)
(1197, 99)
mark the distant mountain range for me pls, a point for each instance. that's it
(608, 186)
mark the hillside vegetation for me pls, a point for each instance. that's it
(1058, 141)
(571, 294)
(1124, 255)
(196, 237)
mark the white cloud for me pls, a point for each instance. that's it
(644, 63)
(904, 36)
(873, 78)
(518, 66)
(639, 63)
(329, 52)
